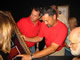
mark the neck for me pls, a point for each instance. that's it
(35, 22)
(55, 23)
(71, 28)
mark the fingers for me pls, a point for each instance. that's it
(20, 55)
(23, 36)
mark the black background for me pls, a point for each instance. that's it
(22, 8)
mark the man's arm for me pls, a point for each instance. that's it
(42, 53)
(32, 39)
(51, 49)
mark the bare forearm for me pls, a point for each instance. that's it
(34, 39)
(45, 52)
(42, 53)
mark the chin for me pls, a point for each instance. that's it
(76, 52)
(49, 26)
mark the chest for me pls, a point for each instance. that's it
(51, 33)
(30, 29)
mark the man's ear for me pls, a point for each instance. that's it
(55, 16)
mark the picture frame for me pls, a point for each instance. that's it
(64, 10)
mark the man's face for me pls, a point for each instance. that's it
(75, 52)
(49, 20)
(74, 45)
(72, 24)
(34, 15)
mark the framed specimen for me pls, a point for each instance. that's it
(64, 10)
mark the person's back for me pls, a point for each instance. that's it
(6, 29)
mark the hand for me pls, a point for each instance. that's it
(24, 37)
(76, 58)
(25, 57)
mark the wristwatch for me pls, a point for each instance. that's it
(32, 56)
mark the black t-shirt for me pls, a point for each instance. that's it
(4, 55)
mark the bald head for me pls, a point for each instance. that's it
(75, 35)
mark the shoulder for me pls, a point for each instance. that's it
(23, 20)
(62, 26)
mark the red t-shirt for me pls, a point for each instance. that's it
(55, 34)
(28, 29)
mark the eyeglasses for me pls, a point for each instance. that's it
(73, 43)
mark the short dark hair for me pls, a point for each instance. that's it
(47, 10)
(36, 8)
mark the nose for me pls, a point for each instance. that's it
(46, 22)
(32, 16)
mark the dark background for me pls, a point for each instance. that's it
(22, 8)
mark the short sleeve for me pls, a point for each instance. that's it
(20, 24)
(61, 36)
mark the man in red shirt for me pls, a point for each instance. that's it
(30, 26)
(54, 32)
